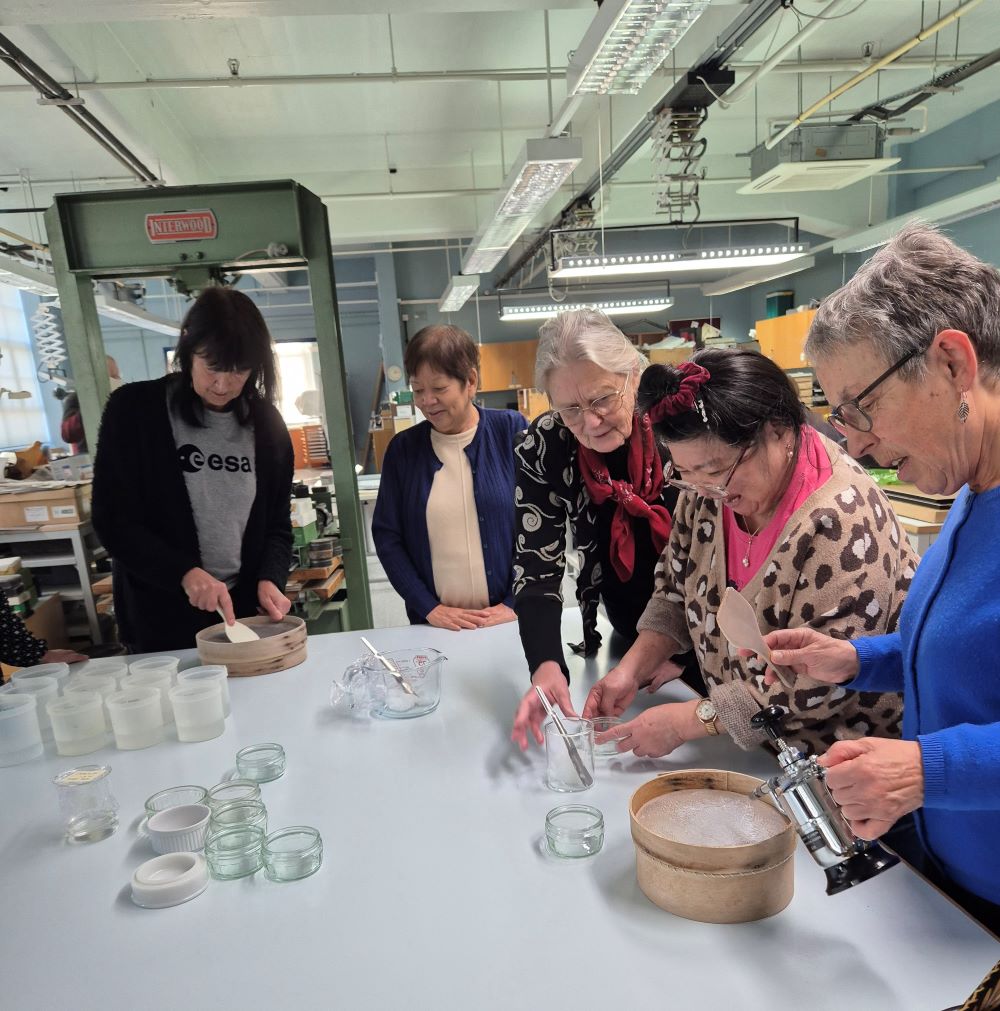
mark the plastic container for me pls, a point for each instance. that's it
(176, 796)
(292, 853)
(169, 880)
(561, 773)
(58, 671)
(368, 686)
(103, 684)
(235, 852)
(209, 672)
(197, 707)
(179, 829)
(136, 718)
(574, 830)
(78, 723)
(45, 690)
(88, 807)
(162, 681)
(115, 666)
(232, 789)
(609, 749)
(160, 664)
(261, 763)
(238, 812)
(20, 734)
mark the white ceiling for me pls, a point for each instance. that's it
(452, 139)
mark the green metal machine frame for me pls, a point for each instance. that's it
(196, 235)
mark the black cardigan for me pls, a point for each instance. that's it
(142, 514)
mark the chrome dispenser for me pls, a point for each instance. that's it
(800, 792)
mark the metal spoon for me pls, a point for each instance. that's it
(574, 755)
(390, 667)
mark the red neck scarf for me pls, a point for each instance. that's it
(635, 497)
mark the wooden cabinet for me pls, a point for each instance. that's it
(509, 365)
(531, 403)
(783, 338)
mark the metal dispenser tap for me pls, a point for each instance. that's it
(800, 792)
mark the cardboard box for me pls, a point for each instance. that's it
(50, 502)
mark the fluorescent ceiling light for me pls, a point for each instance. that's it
(978, 200)
(749, 255)
(757, 275)
(460, 289)
(17, 275)
(611, 307)
(135, 316)
(543, 166)
(626, 42)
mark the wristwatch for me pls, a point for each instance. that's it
(705, 711)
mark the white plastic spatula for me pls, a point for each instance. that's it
(237, 632)
(738, 622)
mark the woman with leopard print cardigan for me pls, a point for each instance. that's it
(777, 511)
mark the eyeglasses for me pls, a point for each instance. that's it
(602, 407)
(715, 491)
(850, 414)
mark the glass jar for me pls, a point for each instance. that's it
(232, 789)
(235, 852)
(89, 809)
(292, 853)
(238, 812)
(574, 830)
(608, 750)
(563, 772)
(176, 796)
(261, 763)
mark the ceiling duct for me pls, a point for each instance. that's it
(818, 157)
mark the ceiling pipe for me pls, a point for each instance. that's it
(747, 84)
(922, 36)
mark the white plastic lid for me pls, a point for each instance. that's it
(169, 880)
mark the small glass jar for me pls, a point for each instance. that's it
(235, 852)
(292, 853)
(232, 789)
(574, 830)
(176, 796)
(609, 749)
(261, 763)
(89, 809)
(238, 812)
(569, 755)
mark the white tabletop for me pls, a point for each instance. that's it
(435, 891)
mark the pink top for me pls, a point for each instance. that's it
(746, 554)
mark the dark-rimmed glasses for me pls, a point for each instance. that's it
(715, 491)
(850, 414)
(602, 407)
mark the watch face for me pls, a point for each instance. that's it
(705, 710)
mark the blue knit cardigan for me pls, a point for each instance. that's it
(399, 525)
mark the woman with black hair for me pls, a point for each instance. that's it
(192, 482)
(775, 510)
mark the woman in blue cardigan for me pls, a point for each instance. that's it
(909, 351)
(444, 520)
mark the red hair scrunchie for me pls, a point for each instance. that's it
(683, 399)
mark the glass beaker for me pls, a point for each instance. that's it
(568, 754)
(89, 809)
(368, 685)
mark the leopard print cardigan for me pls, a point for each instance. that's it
(841, 565)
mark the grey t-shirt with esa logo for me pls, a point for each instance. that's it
(220, 475)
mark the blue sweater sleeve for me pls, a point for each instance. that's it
(962, 767)
(389, 537)
(881, 660)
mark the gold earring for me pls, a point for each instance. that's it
(963, 409)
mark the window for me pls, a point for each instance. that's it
(22, 422)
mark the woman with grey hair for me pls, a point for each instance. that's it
(909, 352)
(593, 464)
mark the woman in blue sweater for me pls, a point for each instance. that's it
(444, 520)
(909, 351)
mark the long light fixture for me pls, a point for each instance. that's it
(610, 307)
(757, 275)
(749, 255)
(968, 204)
(460, 289)
(626, 42)
(135, 316)
(543, 166)
(17, 275)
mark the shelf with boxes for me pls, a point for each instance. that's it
(317, 580)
